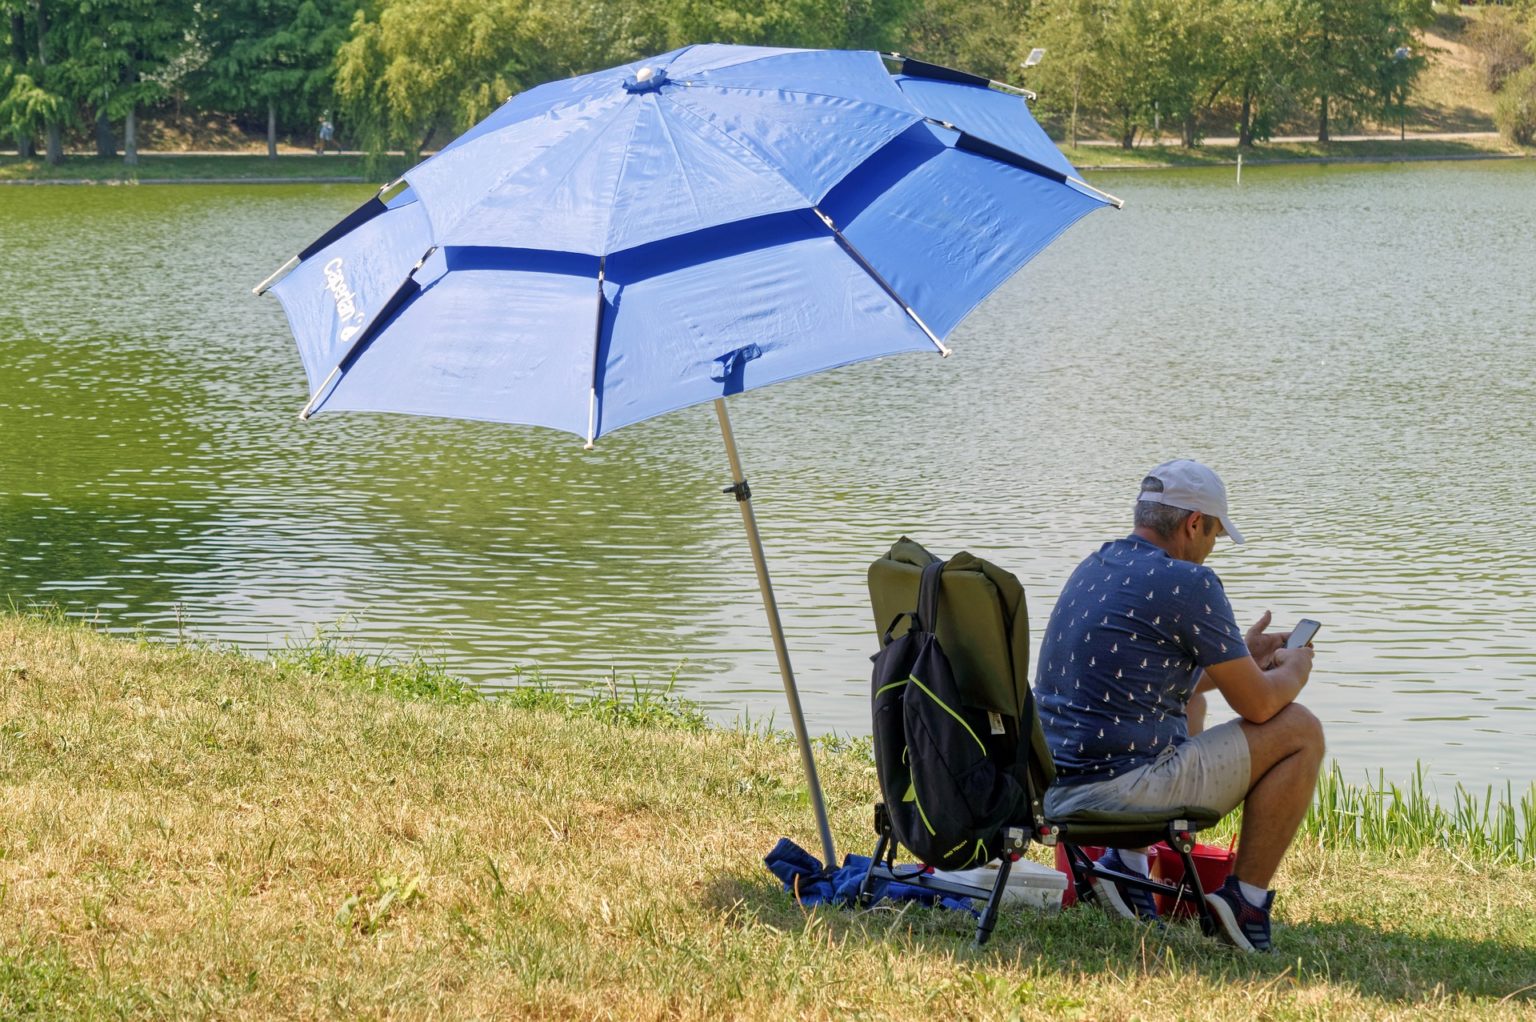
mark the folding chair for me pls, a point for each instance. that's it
(983, 627)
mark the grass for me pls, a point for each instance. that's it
(1107, 157)
(156, 167)
(1496, 828)
(192, 833)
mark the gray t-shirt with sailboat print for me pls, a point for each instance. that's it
(1125, 643)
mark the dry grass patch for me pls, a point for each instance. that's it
(1451, 94)
(187, 833)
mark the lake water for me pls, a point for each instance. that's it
(1351, 347)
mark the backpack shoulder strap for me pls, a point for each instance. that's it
(928, 597)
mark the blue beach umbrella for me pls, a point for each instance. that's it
(606, 248)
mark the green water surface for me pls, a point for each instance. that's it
(1351, 347)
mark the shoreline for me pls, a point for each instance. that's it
(1307, 160)
(130, 182)
(206, 168)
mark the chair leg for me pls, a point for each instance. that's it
(883, 828)
(1183, 842)
(988, 920)
(1081, 872)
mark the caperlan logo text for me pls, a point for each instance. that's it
(347, 310)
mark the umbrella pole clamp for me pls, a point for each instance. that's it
(742, 491)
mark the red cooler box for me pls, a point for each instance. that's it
(1212, 862)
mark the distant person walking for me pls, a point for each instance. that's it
(324, 135)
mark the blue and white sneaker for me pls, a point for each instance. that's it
(1241, 924)
(1121, 899)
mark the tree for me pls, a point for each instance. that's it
(260, 55)
(1260, 49)
(1103, 58)
(120, 54)
(1346, 50)
(31, 97)
(1189, 62)
(423, 66)
(1069, 31)
(1515, 105)
(1502, 35)
(27, 104)
(965, 34)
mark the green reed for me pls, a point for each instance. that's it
(1496, 826)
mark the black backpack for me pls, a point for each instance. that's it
(943, 766)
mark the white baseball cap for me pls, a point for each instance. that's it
(1191, 486)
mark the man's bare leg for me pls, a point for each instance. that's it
(1286, 753)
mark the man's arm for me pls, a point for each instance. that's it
(1258, 695)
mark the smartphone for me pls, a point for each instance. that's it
(1302, 634)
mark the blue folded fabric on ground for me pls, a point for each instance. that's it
(802, 874)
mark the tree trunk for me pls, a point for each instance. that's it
(1187, 131)
(1245, 121)
(131, 138)
(1076, 86)
(19, 39)
(271, 129)
(19, 58)
(106, 145)
(55, 137)
(1322, 118)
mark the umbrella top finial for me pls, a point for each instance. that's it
(647, 79)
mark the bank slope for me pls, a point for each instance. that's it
(187, 833)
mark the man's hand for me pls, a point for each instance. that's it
(1261, 646)
(1298, 662)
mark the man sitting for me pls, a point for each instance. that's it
(1141, 631)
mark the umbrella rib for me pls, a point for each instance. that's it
(595, 137)
(991, 150)
(365, 335)
(706, 83)
(613, 198)
(914, 68)
(661, 119)
(597, 349)
(353, 220)
(757, 158)
(868, 268)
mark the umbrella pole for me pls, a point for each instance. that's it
(743, 495)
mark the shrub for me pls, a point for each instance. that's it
(1515, 108)
(1503, 37)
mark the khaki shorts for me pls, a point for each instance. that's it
(1210, 771)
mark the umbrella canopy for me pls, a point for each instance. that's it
(607, 248)
(604, 249)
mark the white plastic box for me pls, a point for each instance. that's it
(1029, 883)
